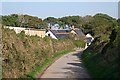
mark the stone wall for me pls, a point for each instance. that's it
(29, 31)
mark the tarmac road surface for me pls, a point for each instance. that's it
(68, 66)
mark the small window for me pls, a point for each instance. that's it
(48, 34)
(87, 44)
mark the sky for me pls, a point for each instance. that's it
(60, 9)
(119, 10)
(60, 0)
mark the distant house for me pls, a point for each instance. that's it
(65, 33)
(59, 33)
(78, 34)
(88, 39)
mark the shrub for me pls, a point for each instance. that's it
(79, 43)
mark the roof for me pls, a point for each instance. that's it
(88, 39)
(60, 34)
(64, 33)
(79, 32)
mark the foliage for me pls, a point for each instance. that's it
(79, 43)
(23, 21)
(72, 20)
(98, 67)
(10, 20)
(102, 57)
(46, 63)
(23, 54)
(88, 24)
(51, 20)
(118, 22)
(117, 39)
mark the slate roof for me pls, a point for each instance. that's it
(88, 39)
(64, 33)
(60, 34)
(79, 32)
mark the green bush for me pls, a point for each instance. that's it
(79, 43)
(23, 53)
(21, 35)
(104, 63)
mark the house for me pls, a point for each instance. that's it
(58, 34)
(78, 34)
(65, 33)
(88, 39)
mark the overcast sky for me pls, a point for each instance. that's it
(60, 9)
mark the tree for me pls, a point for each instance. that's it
(51, 20)
(77, 21)
(23, 21)
(118, 21)
(103, 24)
(10, 20)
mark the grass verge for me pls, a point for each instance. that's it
(48, 61)
(98, 67)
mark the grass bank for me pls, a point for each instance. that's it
(98, 67)
(24, 56)
(102, 60)
(47, 62)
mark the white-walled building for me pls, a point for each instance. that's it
(51, 34)
(88, 40)
(58, 34)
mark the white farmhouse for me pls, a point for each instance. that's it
(58, 34)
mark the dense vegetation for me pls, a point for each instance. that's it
(88, 24)
(23, 21)
(101, 58)
(24, 56)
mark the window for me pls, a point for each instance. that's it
(48, 34)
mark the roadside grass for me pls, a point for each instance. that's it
(97, 67)
(47, 62)
(79, 43)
